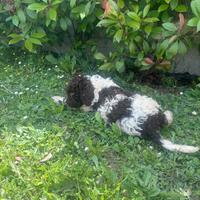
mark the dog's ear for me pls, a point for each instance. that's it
(86, 91)
(73, 91)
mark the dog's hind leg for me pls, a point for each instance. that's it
(168, 117)
(58, 99)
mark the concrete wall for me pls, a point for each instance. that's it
(188, 63)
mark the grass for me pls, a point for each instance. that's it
(84, 158)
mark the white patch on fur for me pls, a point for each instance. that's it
(99, 83)
(177, 147)
(141, 107)
(169, 116)
(107, 107)
(58, 99)
(130, 126)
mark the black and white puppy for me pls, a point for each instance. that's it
(135, 114)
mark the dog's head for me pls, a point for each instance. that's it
(79, 92)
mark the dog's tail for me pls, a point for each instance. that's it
(177, 147)
(167, 144)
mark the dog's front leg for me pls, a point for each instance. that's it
(58, 99)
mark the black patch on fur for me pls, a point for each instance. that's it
(86, 92)
(151, 127)
(109, 93)
(79, 92)
(121, 110)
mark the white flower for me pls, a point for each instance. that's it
(150, 147)
(86, 149)
(49, 69)
(61, 76)
(19, 62)
(194, 112)
(27, 89)
(36, 86)
(56, 66)
(181, 93)
(16, 93)
(159, 154)
(36, 92)
(20, 93)
(25, 117)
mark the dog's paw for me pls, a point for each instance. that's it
(58, 99)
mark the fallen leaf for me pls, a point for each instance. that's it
(46, 158)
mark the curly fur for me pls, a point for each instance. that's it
(135, 114)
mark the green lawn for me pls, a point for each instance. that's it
(84, 158)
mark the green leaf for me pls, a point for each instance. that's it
(134, 16)
(14, 35)
(72, 3)
(98, 117)
(56, 2)
(169, 26)
(163, 7)
(148, 29)
(195, 6)
(173, 4)
(15, 20)
(21, 15)
(106, 22)
(95, 160)
(99, 56)
(107, 66)
(161, 48)
(38, 35)
(28, 44)
(133, 24)
(146, 10)
(35, 41)
(146, 46)
(151, 20)
(52, 14)
(118, 35)
(63, 24)
(181, 8)
(120, 4)
(37, 6)
(120, 67)
(132, 47)
(172, 51)
(167, 1)
(87, 8)
(182, 49)
(51, 59)
(193, 22)
(15, 40)
(198, 26)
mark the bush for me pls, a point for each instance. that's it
(147, 35)
(32, 23)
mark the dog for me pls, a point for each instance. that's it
(135, 114)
